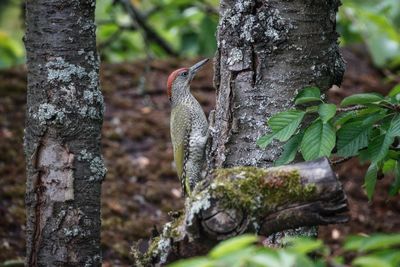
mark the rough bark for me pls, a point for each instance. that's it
(62, 136)
(250, 199)
(267, 51)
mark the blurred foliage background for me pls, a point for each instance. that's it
(137, 29)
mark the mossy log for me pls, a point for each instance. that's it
(250, 199)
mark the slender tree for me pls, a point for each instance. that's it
(62, 135)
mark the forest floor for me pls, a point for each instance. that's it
(141, 186)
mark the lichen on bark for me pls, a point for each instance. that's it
(64, 117)
(267, 52)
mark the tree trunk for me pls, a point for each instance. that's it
(62, 136)
(267, 51)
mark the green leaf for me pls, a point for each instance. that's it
(395, 186)
(395, 91)
(283, 126)
(326, 112)
(266, 260)
(389, 166)
(303, 245)
(370, 180)
(232, 245)
(379, 146)
(318, 141)
(370, 261)
(265, 140)
(308, 94)
(193, 262)
(394, 129)
(360, 99)
(351, 138)
(290, 150)
(344, 117)
(353, 242)
(379, 242)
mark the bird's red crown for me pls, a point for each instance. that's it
(171, 79)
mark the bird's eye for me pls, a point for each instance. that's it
(184, 74)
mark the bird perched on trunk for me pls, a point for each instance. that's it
(189, 127)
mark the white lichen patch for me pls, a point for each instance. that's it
(48, 113)
(98, 169)
(93, 261)
(60, 71)
(201, 202)
(96, 165)
(74, 231)
(235, 56)
(241, 6)
(249, 26)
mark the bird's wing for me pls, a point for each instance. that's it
(180, 122)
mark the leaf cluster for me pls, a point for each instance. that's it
(366, 126)
(245, 251)
(377, 24)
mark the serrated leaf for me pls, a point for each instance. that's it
(394, 129)
(265, 140)
(379, 146)
(318, 141)
(395, 186)
(326, 112)
(370, 180)
(395, 91)
(290, 150)
(308, 94)
(360, 99)
(344, 117)
(351, 138)
(232, 245)
(285, 124)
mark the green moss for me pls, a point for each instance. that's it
(159, 246)
(257, 190)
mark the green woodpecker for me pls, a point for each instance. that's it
(189, 127)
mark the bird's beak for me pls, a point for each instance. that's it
(193, 69)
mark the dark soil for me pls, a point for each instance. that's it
(141, 186)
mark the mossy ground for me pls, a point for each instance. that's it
(141, 187)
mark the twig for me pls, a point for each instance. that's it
(353, 108)
(339, 161)
(149, 32)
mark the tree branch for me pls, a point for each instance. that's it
(149, 32)
(250, 199)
